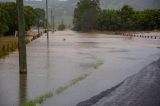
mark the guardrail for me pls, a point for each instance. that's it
(34, 37)
(141, 36)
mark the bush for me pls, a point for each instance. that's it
(61, 26)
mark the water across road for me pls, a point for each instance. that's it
(105, 59)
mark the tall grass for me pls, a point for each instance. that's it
(7, 45)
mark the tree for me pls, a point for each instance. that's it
(126, 13)
(61, 26)
(29, 16)
(9, 19)
(3, 21)
(12, 21)
(128, 19)
(108, 20)
(40, 18)
(85, 15)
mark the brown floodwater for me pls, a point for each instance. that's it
(55, 62)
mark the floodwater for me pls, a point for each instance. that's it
(106, 59)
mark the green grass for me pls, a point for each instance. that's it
(98, 64)
(38, 100)
(41, 99)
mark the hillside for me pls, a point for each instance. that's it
(137, 4)
(63, 8)
(67, 7)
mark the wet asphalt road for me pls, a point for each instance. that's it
(141, 89)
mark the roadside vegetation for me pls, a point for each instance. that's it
(41, 99)
(7, 44)
(9, 20)
(88, 16)
(9, 24)
(61, 26)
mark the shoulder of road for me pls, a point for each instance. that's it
(141, 89)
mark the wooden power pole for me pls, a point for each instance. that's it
(21, 38)
(52, 20)
(47, 18)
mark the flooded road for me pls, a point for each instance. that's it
(99, 61)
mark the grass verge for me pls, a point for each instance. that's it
(41, 99)
(7, 45)
(98, 64)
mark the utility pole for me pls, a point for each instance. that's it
(51, 19)
(47, 18)
(53, 22)
(21, 38)
(38, 25)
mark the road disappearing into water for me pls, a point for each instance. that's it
(82, 64)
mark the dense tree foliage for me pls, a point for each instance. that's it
(125, 18)
(108, 20)
(128, 19)
(40, 17)
(147, 19)
(3, 21)
(126, 15)
(9, 18)
(11, 10)
(85, 15)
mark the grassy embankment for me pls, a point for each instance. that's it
(8, 44)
